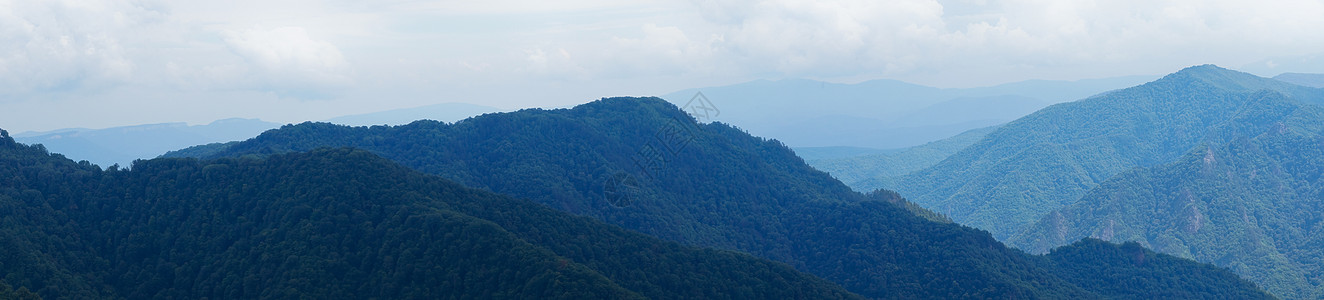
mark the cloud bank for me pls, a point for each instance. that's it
(963, 43)
(115, 62)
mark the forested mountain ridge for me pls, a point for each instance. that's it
(644, 164)
(1050, 158)
(1248, 198)
(332, 224)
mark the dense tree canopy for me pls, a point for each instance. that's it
(1249, 199)
(715, 185)
(1206, 163)
(331, 224)
(1048, 159)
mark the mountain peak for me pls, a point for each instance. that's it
(1227, 79)
(643, 101)
(1205, 68)
(1212, 73)
(645, 105)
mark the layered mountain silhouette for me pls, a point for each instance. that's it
(1178, 164)
(123, 145)
(883, 114)
(445, 112)
(1050, 158)
(871, 169)
(643, 164)
(1248, 198)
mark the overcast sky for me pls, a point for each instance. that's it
(96, 64)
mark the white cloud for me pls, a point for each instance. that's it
(51, 46)
(658, 51)
(289, 56)
(957, 43)
(510, 53)
(830, 38)
(662, 50)
(551, 63)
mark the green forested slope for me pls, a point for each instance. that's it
(1129, 271)
(643, 164)
(1248, 199)
(1044, 161)
(332, 224)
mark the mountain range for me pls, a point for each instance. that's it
(122, 145)
(882, 114)
(1189, 164)
(445, 112)
(916, 114)
(867, 168)
(635, 198)
(645, 165)
(331, 224)
(1247, 197)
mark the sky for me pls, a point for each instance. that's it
(97, 64)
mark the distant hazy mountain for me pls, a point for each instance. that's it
(122, 145)
(644, 164)
(813, 153)
(1070, 171)
(1048, 159)
(860, 171)
(1248, 198)
(445, 112)
(882, 114)
(1306, 79)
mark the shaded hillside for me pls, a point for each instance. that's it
(1046, 160)
(645, 165)
(1247, 199)
(1129, 271)
(22, 293)
(332, 224)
